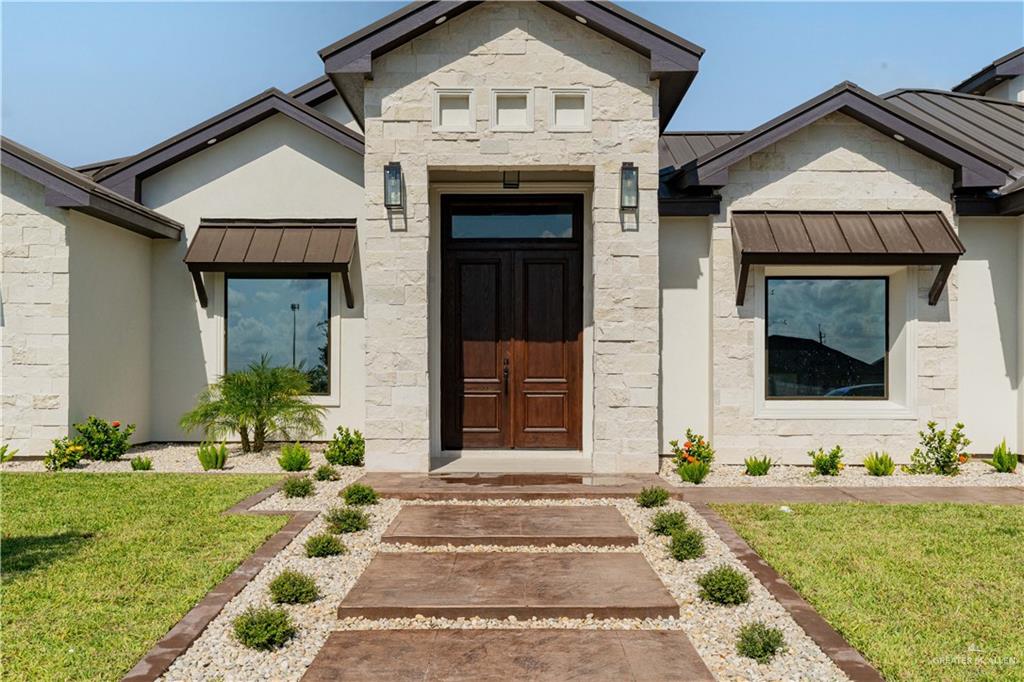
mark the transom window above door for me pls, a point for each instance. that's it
(524, 217)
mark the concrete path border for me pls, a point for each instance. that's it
(187, 630)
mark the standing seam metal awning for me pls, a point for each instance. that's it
(845, 238)
(292, 246)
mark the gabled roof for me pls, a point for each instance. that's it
(678, 148)
(97, 167)
(973, 167)
(125, 177)
(673, 59)
(67, 188)
(318, 90)
(1007, 66)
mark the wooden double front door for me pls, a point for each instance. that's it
(512, 311)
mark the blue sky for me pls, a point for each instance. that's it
(89, 81)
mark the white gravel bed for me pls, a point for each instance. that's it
(972, 473)
(713, 628)
(181, 458)
(217, 655)
(326, 494)
(533, 549)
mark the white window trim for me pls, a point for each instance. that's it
(902, 364)
(498, 92)
(441, 92)
(587, 116)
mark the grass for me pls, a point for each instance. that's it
(925, 592)
(97, 567)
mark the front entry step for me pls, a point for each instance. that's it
(431, 525)
(544, 655)
(503, 584)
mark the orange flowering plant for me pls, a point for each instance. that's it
(693, 449)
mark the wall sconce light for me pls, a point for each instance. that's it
(629, 196)
(510, 180)
(393, 191)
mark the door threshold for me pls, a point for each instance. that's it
(511, 461)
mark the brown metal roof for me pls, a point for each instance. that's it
(845, 238)
(676, 149)
(1007, 66)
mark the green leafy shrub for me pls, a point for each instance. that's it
(300, 486)
(212, 456)
(757, 467)
(1003, 461)
(292, 587)
(724, 585)
(7, 453)
(686, 544)
(666, 522)
(263, 628)
(347, 520)
(652, 497)
(759, 641)
(829, 464)
(102, 440)
(256, 403)
(693, 472)
(879, 464)
(693, 449)
(142, 464)
(294, 457)
(347, 448)
(323, 545)
(358, 494)
(939, 453)
(325, 472)
(65, 453)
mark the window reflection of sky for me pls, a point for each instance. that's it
(512, 226)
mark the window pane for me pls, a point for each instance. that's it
(512, 226)
(284, 319)
(826, 337)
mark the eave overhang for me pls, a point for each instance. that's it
(1004, 68)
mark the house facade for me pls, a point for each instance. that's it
(477, 238)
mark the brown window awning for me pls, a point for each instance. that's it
(292, 246)
(846, 238)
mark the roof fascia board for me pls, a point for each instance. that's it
(125, 178)
(973, 168)
(1006, 67)
(315, 92)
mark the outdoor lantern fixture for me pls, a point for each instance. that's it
(629, 197)
(393, 195)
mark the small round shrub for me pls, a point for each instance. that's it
(652, 497)
(347, 448)
(297, 487)
(666, 522)
(263, 628)
(292, 587)
(686, 544)
(759, 641)
(294, 457)
(724, 585)
(359, 494)
(325, 472)
(347, 520)
(693, 472)
(103, 440)
(323, 545)
(65, 454)
(142, 464)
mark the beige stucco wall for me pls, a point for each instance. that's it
(512, 45)
(336, 108)
(1012, 89)
(34, 317)
(276, 169)
(836, 163)
(684, 250)
(109, 323)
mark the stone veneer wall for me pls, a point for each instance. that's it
(836, 164)
(34, 372)
(511, 45)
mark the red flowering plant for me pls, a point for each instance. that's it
(694, 449)
(103, 441)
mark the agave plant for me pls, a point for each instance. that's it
(256, 403)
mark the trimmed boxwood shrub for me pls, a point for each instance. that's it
(347, 520)
(759, 642)
(325, 472)
(686, 544)
(652, 497)
(323, 545)
(264, 628)
(666, 522)
(297, 487)
(359, 494)
(292, 587)
(347, 448)
(724, 585)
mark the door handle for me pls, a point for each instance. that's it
(504, 375)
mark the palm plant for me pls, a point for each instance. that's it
(256, 403)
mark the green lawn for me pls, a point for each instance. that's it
(925, 592)
(97, 567)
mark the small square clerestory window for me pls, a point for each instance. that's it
(454, 110)
(512, 109)
(570, 109)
